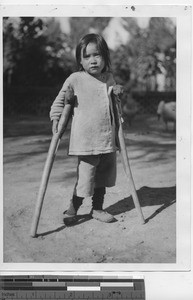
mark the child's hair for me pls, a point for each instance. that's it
(101, 45)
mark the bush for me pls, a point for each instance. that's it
(148, 101)
(34, 100)
(30, 100)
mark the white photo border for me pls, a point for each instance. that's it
(183, 14)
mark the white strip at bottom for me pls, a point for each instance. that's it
(83, 288)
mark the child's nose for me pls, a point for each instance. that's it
(93, 59)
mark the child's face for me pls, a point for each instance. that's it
(91, 60)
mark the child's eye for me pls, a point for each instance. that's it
(95, 55)
(86, 56)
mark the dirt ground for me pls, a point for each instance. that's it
(152, 154)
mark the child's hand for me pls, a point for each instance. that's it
(117, 89)
(55, 126)
(69, 95)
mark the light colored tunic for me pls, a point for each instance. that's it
(93, 123)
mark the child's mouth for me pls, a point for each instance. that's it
(94, 68)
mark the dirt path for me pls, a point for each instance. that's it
(152, 157)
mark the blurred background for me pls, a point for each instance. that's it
(38, 55)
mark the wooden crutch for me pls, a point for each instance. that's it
(63, 122)
(125, 161)
(127, 169)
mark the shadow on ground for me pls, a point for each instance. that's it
(147, 197)
(146, 139)
(80, 219)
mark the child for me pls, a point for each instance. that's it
(94, 125)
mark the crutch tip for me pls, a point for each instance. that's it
(33, 235)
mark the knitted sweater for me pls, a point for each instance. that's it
(93, 121)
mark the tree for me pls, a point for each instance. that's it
(60, 61)
(84, 25)
(147, 50)
(10, 46)
(23, 51)
(36, 52)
